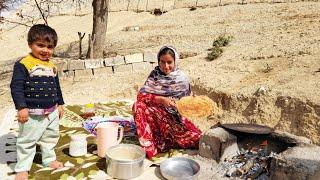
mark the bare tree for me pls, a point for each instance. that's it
(23, 19)
(6, 4)
(45, 7)
(3, 5)
(98, 35)
(100, 18)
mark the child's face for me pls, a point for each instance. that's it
(166, 64)
(42, 50)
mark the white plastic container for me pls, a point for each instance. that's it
(78, 145)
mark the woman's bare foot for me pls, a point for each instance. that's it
(56, 165)
(22, 175)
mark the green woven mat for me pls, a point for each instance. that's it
(78, 167)
(89, 166)
(72, 116)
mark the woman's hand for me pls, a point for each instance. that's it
(23, 115)
(61, 111)
(167, 102)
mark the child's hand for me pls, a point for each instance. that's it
(61, 111)
(23, 115)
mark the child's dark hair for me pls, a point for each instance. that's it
(42, 32)
(166, 51)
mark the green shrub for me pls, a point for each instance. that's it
(222, 41)
(215, 53)
(216, 49)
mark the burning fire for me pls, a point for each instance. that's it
(250, 164)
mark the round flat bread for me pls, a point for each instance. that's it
(195, 106)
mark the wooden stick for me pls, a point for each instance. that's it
(80, 43)
(92, 39)
(128, 5)
(138, 5)
(147, 5)
(162, 6)
(245, 168)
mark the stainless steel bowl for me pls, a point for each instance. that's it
(125, 161)
(180, 168)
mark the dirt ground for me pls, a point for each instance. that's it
(280, 55)
(269, 74)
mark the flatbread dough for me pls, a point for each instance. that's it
(195, 106)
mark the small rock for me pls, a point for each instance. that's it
(261, 91)
(131, 28)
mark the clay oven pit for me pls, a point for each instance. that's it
(246, 151)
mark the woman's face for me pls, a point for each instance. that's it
(166, 64)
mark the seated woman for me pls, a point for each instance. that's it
(159, 126)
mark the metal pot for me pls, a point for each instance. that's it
(125, 161)
(180, 168)
(249, 128)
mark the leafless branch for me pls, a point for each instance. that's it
(7, 4)
(41, 12)
(45, 7)
(80, 43)
(16, 22)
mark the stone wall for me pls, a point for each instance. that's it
(89, 68)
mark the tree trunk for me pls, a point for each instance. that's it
(100, 20)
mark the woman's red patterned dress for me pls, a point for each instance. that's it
(158, 131)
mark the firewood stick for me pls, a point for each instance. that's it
(233, 172)
(245, 168)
